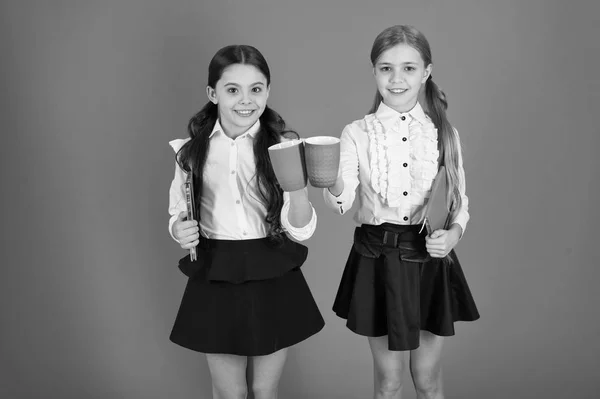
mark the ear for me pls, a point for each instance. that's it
(268, 91)
(427, 73)
(212, 94)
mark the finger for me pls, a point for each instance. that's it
(436, 248)
(185, 229)
(182, 215)
(188, 223)
(432, 238)
(436, 253)
(181, 225)
(183, 234)
(435, 243)
(190, 245)
(433, 253)
(438, 233)
(188, 227)
(187, 238)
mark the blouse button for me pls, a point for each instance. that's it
(237, 202)
(403, 138)
(405, 218)
(233, 172)
(405, 193)
(405, 164)
(232, 144)
(403, 117)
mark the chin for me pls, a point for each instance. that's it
(396, 104)
(248, 123)
(404, 105)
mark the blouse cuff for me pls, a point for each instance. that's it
(176, 195)
(171, 222)
(461, 219)
(338, 204)
(298, 233)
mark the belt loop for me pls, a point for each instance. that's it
(387, 235)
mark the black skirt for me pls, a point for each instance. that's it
(391, 286)
(246, 297)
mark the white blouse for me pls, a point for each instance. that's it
(392, 158)
(231, 207)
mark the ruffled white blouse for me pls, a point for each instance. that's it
(392, 158)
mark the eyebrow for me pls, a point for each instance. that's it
(403, 63)
(238, 85)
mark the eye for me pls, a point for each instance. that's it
(385, 69)
(232, 90)
(410, 68)
(256, 89)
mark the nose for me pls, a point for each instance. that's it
(396, 77)
(245, 98)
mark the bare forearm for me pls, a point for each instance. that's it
(456, 231)
(300, 209)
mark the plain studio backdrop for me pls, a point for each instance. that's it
(93, 91)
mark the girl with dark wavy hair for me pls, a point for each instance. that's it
(401, 288)
(246, 300)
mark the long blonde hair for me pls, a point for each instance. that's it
(435, 103)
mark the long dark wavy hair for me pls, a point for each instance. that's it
(192, 156)
(435, 102)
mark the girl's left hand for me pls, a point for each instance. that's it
(441, 242)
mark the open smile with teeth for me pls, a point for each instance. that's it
(397, 91)
(244, 112)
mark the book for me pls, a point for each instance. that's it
(437, 211)
(189, 199)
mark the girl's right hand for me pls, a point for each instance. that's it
(338, 187)
(186, 231)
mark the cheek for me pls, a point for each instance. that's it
(225, 102)
(417, 81)
(380, 81)
(262, 101)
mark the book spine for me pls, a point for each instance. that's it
(189, 198)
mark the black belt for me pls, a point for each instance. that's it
(392, 235)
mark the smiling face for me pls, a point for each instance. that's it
(241, 95)
(399, 73)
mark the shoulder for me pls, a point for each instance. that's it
(357, 128)
(359, 124)
(178, 143)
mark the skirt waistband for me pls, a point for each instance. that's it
(237, 261)
(392, 235)
(371, 241)
(236, 245)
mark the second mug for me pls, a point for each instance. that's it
(322, 155)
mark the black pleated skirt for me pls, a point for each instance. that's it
(246, 298)
(391, 286)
